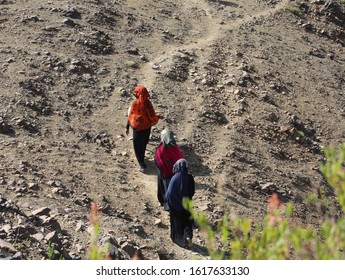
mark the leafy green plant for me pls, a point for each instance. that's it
(51, 251)
(318, 201)
(300, 133)
(334, 171)
(277, 237)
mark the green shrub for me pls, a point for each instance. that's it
(277, 237)
(311, 199)
(50, 251)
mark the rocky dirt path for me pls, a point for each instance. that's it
(202, 48)
(113, 176)
(251, 90)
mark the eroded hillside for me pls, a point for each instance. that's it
(252, 89)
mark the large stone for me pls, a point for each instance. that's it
(43, 211)
(7, 246)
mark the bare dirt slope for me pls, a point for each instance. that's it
(252, 89)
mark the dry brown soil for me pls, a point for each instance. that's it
(252, 91)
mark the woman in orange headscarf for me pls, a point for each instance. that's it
(141, 117)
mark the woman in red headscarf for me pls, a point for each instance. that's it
(141, 117)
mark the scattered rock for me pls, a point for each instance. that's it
(253, 100)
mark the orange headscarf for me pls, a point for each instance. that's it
(141, 114)
(142, 94)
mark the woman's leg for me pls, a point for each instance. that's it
(176, 230)
(166, 182)
(188, 228)
(137, 145)
(160, 188)
(146, 137)
(140, 140)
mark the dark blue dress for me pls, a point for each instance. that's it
(181, 225)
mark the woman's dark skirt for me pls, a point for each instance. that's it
(162, 186)
(181, 228)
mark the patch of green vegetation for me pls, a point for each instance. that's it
(295, 10)
(311, 199)
(277, 237)
(268, 30)
(51, 251)
(300, 133)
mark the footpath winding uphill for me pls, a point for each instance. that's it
(253, 90)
